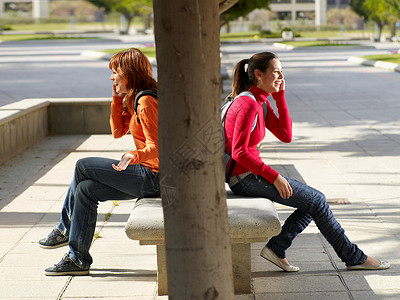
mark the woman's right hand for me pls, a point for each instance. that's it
(114, 92)
(283, 187)
(282, 86)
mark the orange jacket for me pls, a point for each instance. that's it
(145, 134)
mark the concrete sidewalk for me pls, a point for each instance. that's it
(346, 144)
(33, 189)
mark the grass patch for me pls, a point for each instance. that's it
(240, 36)
(33, 37)
(252, 35)
(148, 51)
(317, 44)
(61, 26)
(392, 58)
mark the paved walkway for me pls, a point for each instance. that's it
(346, 143)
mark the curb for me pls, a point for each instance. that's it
(96, 55)
(107, 56)
(374, 63)
(283, 46)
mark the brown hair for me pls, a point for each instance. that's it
(136, 67)
(243, 79)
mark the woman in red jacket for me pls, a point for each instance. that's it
(99, 179)
(262, 76)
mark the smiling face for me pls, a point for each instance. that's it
(271, 80)
(119, 81)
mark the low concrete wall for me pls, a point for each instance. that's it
(79, 116)
(24, 123)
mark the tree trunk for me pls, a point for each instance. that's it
(380, 31)
(147, 21)
(129, 18)
(393, 29)
(198, 249)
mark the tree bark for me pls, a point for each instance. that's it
(190, 142)
(224, 5)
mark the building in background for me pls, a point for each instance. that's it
(40, 8)
(286, 13)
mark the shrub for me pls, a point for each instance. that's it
(5, 27)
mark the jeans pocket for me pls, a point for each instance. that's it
(151, 186)
(241, 188)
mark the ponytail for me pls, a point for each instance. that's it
(240, 78)
(243, 78)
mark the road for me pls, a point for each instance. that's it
(55, 68)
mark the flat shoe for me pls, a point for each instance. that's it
(269, 255)
(382, 266)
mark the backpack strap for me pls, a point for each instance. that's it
(265, 109)
(138, 96)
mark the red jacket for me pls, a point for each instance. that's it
(243, 142)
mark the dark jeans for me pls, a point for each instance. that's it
(311, 205)
(95, 181)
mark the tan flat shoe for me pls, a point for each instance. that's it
(382, 266)
(269, 255)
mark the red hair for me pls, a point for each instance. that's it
(136, 67)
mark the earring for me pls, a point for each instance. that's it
(259, 78)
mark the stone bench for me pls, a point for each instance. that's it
(250, 220)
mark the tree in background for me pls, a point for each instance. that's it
(127, 8)
(382, 12)
(81, 9)
(346, 17)
(240, 9)
(394, 6)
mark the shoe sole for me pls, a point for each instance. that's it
(67, 273)
(53, 247)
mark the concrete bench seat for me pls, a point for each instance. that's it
(250, 220)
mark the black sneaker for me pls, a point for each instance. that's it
(54, 240)
(66, 267)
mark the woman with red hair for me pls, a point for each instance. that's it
(99, 179)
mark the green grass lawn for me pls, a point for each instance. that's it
(148, 51)
(63, 26)
(393, 58)
(251, 35)
(316, 44)
(32, 37)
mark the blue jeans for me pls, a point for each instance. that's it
(311, 205)
(95, 181)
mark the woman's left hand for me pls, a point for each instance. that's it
(124, 162)
(283, 187)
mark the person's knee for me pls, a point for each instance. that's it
(320, 200)
(82, 163)
(85, 191)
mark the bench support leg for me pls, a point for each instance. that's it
(241, 267)
(162, 270)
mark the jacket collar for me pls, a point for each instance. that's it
(261, 95)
